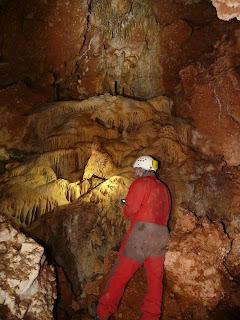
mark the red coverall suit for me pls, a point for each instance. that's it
(148, 206)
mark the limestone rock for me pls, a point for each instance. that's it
(16, 102)
(211, 96)
(99, 164)
(4, 155)
(83, 233)
(93, 47)
(227, 9)
(27, 282)
(195, 263)
(89, 140)
(186, 222)
(233, 259)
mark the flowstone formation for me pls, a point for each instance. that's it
(67, 189)
(87, 142)
(27, 282)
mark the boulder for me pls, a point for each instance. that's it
(27, 281)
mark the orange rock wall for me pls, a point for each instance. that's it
(211, 100)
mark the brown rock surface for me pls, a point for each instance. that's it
(16, 103)
(212, 102)
(132, 48)
(49, 24)
(195, 261)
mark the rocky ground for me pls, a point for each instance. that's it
(27, 282)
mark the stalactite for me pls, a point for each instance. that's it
(53, 178)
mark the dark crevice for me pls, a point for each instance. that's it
(89, 3)
(225, 259)
(116, 88)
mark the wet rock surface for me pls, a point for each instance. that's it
(27, 282)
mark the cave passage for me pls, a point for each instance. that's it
(87, 87)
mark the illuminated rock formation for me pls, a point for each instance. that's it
(89, 140)
(90, 227)
(27, 282)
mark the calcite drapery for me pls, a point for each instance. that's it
(89, 140)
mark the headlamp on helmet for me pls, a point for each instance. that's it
(146, 163)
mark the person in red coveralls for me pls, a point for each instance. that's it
(148, 205)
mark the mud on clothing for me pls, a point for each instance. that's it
(146, 240)
(148, 206)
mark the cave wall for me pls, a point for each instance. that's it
(66, 196)
(84, 48)
(211, 96)
(64, 165)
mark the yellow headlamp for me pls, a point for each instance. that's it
(155, 164)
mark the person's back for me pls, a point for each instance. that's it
(148, 206)
(151, 198)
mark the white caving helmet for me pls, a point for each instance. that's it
(146, 163)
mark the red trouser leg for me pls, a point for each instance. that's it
(123, 271)
(151, 308)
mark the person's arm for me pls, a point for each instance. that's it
(166, 204)
(134, 198)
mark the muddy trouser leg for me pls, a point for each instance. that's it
(151, 308)
(123, 271)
